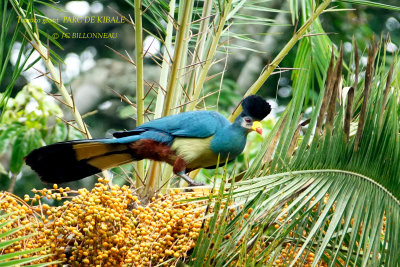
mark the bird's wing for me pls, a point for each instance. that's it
(198, 124)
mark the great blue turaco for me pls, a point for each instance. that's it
(187, 141)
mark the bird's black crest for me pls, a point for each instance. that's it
(256, 107)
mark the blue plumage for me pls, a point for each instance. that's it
(199, 124)
(153, 134)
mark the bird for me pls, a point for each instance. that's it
(187, 141)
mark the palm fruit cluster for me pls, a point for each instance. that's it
(108, 226)
(20, 216)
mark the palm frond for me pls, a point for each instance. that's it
(319, 196)
(371, 4)
(6, 46)
(20, 257)
(348, 212)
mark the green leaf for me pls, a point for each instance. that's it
(59, 133)
(19, 150)
(12, 231)
(8, 135)
(4, 244)
(8, 256)
(23, 261)
(371, 4)
(48, 36)
(24, 143)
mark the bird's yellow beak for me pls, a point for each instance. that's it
(257, 127)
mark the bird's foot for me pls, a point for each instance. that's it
(189, 180)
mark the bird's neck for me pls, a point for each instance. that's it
(237, 127)
(234, 132)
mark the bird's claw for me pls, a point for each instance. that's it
(189, 180)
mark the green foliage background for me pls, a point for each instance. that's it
(297, 165)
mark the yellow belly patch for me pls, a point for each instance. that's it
(195, 151)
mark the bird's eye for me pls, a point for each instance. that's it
(248, 120)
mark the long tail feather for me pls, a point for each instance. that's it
(74, 160)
